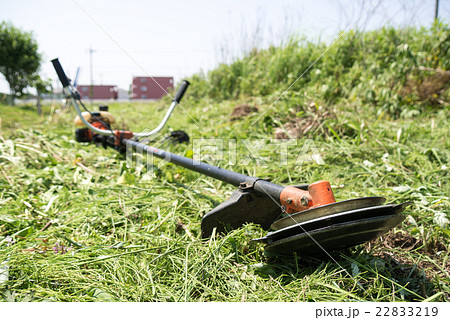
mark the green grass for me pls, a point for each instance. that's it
(397, 70)
(114, 232)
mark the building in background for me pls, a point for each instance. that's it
(148, 88)
(100, 92)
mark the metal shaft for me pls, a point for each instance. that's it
(234, 178)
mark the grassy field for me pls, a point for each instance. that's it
(79, 224)
(102, 231)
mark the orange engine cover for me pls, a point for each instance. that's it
(318, 194)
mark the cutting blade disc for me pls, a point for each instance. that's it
(326, 210)
(322, 222)
(335, 237)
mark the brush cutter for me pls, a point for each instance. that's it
(305, 219)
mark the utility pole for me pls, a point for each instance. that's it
(91, 93)
(436, 11)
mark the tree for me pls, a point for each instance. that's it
(42, 86)
(19, 58)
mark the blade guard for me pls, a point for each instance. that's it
(244, 206)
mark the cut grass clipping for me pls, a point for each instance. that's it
(79, 224)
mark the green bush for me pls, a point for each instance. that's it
(392, 69)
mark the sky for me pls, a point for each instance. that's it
(179, 38)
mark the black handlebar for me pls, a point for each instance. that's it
(61, 75)
(180, 93)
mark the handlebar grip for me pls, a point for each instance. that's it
(61, 75)
(180, 93)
